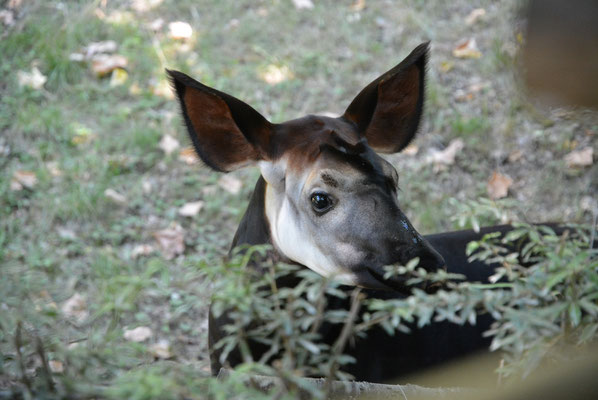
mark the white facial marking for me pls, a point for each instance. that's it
(285, 223)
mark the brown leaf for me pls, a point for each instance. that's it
(580, 158)
(191, 209)
(103, 64)
(188, 156)
(230, 184)
(475, 15)
(23, 179)
(161, 349)
(467, 49)
(171, 241)
(139, 334)
(180, 30)
(358, 5)
(498, 185)
(75, 307)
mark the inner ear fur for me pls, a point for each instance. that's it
(388, 110)
(227, 133)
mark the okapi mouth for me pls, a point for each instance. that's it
(399, 285)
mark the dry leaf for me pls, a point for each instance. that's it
(115, 196)
(498, 186)
(274, 74)
(188, 156)
(171, 241)
(580, 158)
(53, 168)
(75, 307)
(56, 366)
(446, 156)
(142, 250)
(515, 156)
(410, 150)
(106, 46)
(23, 179)
(7, 17)
(103, 64)
(119, 76)
(475, 15)
(230, 184)
(180, 30)
(161, 349)
(303, 4)
(191, 209)
(156, 24)
(139, 334)
(467, 49)
(34, 79)
(358, 5)
(168, 144)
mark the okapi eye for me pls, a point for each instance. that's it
(321, 202)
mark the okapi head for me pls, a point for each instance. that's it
(330, 200)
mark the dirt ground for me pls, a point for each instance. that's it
(90, 187)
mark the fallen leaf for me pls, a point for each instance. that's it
(115, 196)
(446, 156)
(467, 49)
(358, 5)
(410, 150)
(446, 66)
(75, 307)
(580, 158)
(56, 366)
(168, 144)
(106, 46)
(274, 74)
(161, 349)
(171, 241)
(103, 64)
(303, 4)
(23, 179)
(139, 334)
(7, 17)
(145, 5)
(188, 156)
(34, 79)
(180, 30)
(498, 185)
(475, 15)
(515, 156)
(156, 24)
(142, 250)
(119, 76)
(66, 234)
(191, 209)
(230, 184)
(53, 169)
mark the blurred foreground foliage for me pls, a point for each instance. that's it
(545, 312)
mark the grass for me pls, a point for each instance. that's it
(80, 136)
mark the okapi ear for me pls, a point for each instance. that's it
(388, 110)
(226, 133)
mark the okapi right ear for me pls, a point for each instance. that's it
(226, 133)
(388, 110)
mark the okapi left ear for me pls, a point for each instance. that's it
(227, 133)
(388, 110)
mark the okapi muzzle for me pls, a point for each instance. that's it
(328, 200)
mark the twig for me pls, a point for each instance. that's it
(45, 366)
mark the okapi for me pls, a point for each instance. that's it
(327, 201)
